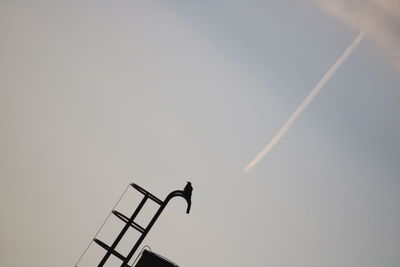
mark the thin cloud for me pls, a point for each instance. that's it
(379, 19)
(305, 103)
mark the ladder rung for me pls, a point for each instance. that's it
(106, 247)
(126, 219)
(144, 192)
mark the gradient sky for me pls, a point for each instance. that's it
(97, 94)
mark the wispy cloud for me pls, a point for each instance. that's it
(305, 103)
(379, 19)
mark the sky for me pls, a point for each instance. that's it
(97, 94)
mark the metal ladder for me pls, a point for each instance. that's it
(186, 193)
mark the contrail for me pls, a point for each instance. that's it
(305, 103)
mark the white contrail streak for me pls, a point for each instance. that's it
(305, 103)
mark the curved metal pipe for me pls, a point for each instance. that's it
(186, 193)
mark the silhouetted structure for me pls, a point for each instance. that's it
(148, 259)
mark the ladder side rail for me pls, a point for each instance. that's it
(123, 231)
(186, 194)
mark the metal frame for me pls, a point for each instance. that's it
(186, 193)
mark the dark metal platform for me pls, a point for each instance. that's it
(151, 259)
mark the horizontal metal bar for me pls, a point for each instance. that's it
(145, 192)
(106, 247)
(126, 220)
